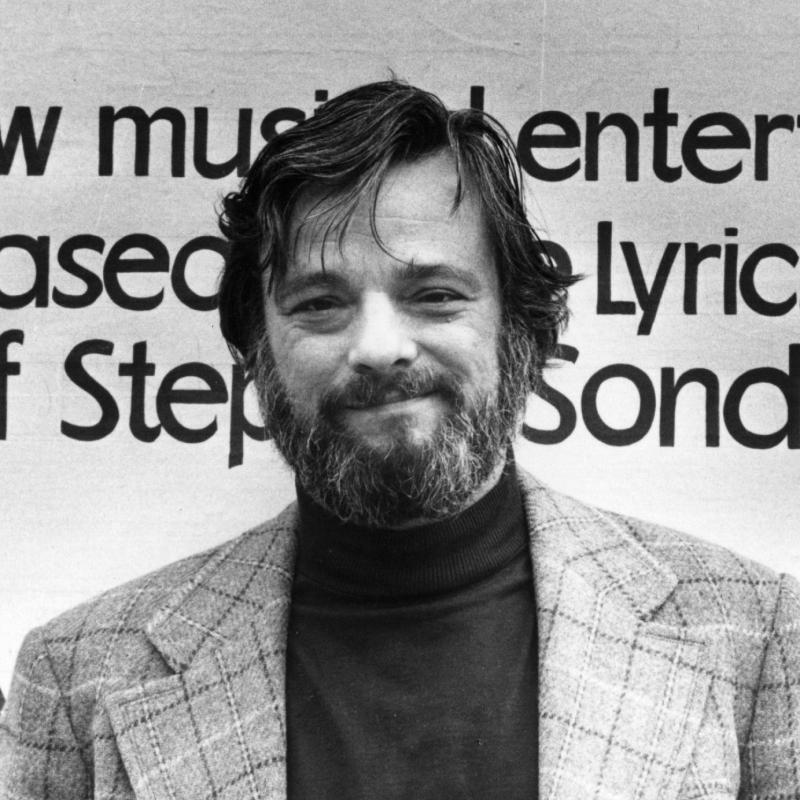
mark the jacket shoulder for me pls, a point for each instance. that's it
(752, 614)
(105, 639)
(745, 616)
(713, 585)
(55, 715)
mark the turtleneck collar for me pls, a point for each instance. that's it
(434, 558)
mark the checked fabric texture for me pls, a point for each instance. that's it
(669, 668)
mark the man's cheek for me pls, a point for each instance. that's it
(307, 392)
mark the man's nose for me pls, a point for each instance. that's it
(381, 338)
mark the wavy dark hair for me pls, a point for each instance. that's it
(344, 151)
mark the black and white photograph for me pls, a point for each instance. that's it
(399, 401)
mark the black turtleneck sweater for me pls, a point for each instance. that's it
(411, 665)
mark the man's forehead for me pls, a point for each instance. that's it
(416, 194)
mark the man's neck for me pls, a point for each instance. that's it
(427, 559)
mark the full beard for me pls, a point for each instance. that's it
(409, 478)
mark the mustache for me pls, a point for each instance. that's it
(364, 390)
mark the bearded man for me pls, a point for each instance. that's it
(428, 620)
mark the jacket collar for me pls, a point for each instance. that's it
(247, 582)
(220, 720)
(250, 578)
(596, 546)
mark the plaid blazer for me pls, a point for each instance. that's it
(668, 668)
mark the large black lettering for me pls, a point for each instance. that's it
(184, 293)
(694, 256)
(239, 161)
(661, 119)
(788, 384)
(670, 388)
(138, 370)
(601, 430)
(557, 256)
(240, 425)
(605, 305)
(142, 122)
(567, 416)
(630, 131)
(39, 250)
(270, 123)
(216, 392)
(7, 368)
(764, 127)
(35, 152)
(747, 284)
(694, 139)
(569, 138)
(649, 299)
(117, 264)
(92, 282)
(731, 261)
(76, 372)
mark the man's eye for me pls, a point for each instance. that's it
(438, 296)
(315, 305)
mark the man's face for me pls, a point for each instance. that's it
(385, 362)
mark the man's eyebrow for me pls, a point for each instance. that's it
(309, 280)
(404, 271)
(416, 271)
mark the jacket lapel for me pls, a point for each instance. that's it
(621, 697)
(217, 727)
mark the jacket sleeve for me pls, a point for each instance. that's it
(40, 757)
(771, 757)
